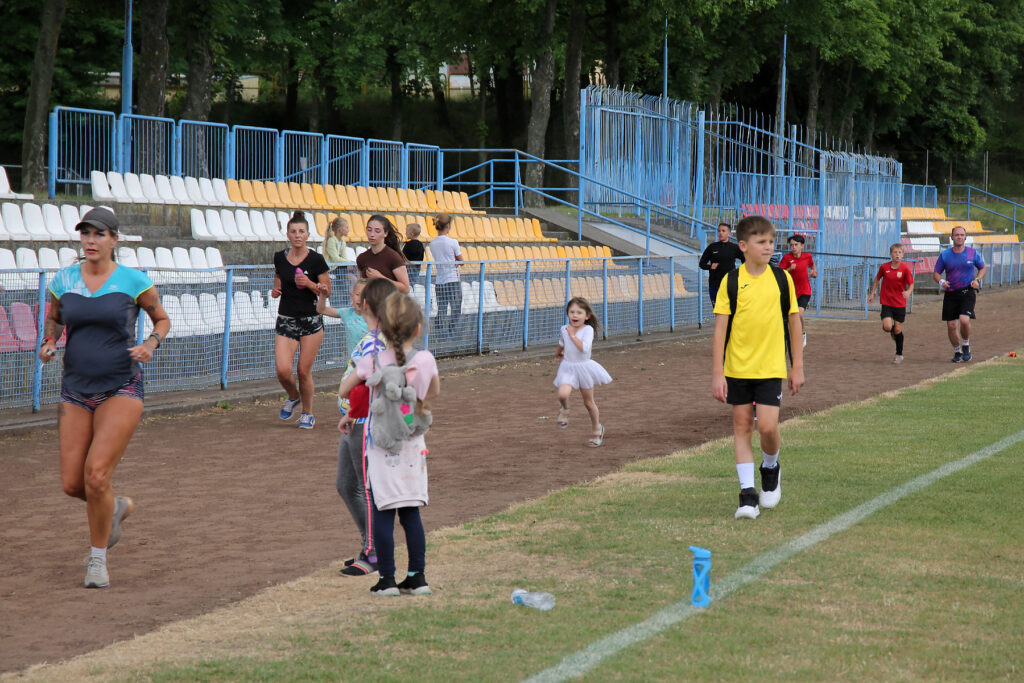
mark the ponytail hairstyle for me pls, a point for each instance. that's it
(400, 321)
(298, 218)
(585, 305)
(390, 233)
(375, 293)
(337, 224)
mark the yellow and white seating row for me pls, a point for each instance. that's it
(517, 253)
(548, 292)
(5, 188)
(497, 229)
(920, 213)
(316, 197)
(974, 229)
(47, 222)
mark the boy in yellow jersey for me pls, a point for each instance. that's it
(749, 358)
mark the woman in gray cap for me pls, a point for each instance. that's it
(96, 302)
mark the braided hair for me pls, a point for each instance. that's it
(400, 321)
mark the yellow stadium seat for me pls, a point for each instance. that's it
(361, 196)
(321, 222)
(234, 193)
(309, 196)
(432, 201)
(247, 194)
(274, 195)
(390, 196)
(330, 197)
(320, 196)
(292, 192)
(346, 197)
(259, 188)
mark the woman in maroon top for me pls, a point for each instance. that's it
(383, 259)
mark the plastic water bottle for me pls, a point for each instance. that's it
(541, 601)
(701, 577)
(298, 271)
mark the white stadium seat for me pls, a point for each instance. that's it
(220, 190)
(100, 188)
(5, 188)
(134, 187)
(69, 216)
(214, 226)
(117, 188)
(227, 221)
(197, 220)
(151, 191)
(13, 222)
(193, 316)
(179, 190)
(53, 221)
(67, 256)
(32, 216)
(48, 259)
(26, 259)
(163, 188)
(10, 281)
(194, 193)
(165, 260)
(126, 257)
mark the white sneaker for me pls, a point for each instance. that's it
(748, 505)
(96, 574)
(771, 487)
(897, 360)
(123, 507)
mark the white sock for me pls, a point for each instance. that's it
(101, 553)
(745, 471)
(965, 343)
(769, 461)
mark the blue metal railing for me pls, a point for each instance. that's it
(924, 196)
(974, 192)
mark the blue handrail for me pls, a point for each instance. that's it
(971, 190)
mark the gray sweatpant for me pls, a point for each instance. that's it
(351, 485)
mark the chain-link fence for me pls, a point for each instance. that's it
(222, 328)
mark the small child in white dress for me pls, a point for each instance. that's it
(577, 370)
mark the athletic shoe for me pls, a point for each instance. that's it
(897, 360)
(96, 574)
(358, 567)
(958, 357)
(415, 585)
(967, 353)
(748, 505)
(386, 586)
(771, 488)
(288, 409)
(306, 421)
(123, 507)
(805, 339)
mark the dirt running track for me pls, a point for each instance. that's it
(232, 501)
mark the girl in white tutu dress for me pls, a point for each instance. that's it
(577, 370)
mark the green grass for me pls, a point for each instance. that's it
(928, 588)
(990, 220)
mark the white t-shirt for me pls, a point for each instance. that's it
(444, 248)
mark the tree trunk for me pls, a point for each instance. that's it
(777, 149)
(508, 98)
(395, 76)
(571, 83)
(813, 95)
(440, 103)
(613, 51)
(154, 57)
(291, 93)
(33, 149)
(481, 126)
(200, 64)
(540, 106)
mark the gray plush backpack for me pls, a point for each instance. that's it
(393, 414)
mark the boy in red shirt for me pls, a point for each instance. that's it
(897, 280)
(801, 268)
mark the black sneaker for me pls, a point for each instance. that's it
(358, 567)
(748, 505)
(967, 353)
(958, 357)
(386, 586)
(415, 585)
(771, 488)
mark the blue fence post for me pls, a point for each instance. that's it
(640, 296)
(440, 171)
(403, 167)
(490, 187)
(325, 161)
(480, 310)
(672, 293)
(426, 303)
(700, 300)
(581, 156)
(822, 189)
(568, 279)
(647, 229)
(51, 157)
(518, 186)
(791, 199)
(364, 164)
(226, 343)
(229, 163)
(526, 306)
(37, 372)
(698, 190)
(176, 152)
(123, 163)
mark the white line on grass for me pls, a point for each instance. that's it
(580, 662)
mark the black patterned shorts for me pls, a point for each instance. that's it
(133, 388)
(297, 328)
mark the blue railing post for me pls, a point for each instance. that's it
(519, 185)
(672, 293)
(698, 190)
(822, 189)
(640, 296)
(364, 164)
(124, 142)
(568, 279)
(37, 372)
(176, 149)
(490, 170)
(325, 162)
(647, 229)
(51, 157)
(604, 296)
(968, 202)
(229, 163)
(582, 155)
(526, 306)
(226, 343)
(440, 172)
(403, 167)
(480, 310)
(426, 303)
(279, 157)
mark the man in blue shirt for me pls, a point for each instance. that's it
(964, 269)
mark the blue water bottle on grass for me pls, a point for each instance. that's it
(701, 576)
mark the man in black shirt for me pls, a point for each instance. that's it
(719, 258)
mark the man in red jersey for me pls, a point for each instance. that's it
(801, 268)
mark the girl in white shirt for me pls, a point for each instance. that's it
(577, 370)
